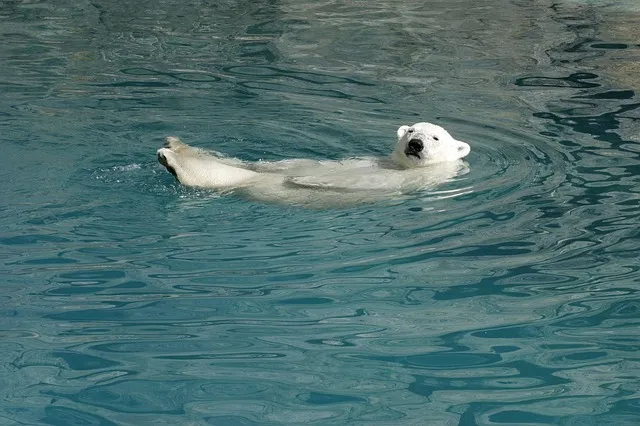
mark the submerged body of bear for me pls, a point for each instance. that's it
(425, 156)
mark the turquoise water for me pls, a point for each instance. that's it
(506, 296)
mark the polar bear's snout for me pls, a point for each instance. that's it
(414, 147)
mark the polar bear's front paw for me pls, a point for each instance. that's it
(162, 159)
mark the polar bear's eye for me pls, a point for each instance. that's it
(409, 130)
(435, 138)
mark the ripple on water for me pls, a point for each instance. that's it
(506, 295)
(239, 304)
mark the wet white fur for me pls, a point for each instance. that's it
(311, 182)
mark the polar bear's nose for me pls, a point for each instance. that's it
(415, 145)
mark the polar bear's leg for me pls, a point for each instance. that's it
(171, 145)
(196, 167)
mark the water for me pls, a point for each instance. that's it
(507, 296)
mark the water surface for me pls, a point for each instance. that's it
(506, 296)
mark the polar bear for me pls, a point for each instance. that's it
(425, 156)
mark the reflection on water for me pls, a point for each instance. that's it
(127, 299)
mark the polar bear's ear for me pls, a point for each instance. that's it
(402, 130)
(463, 149)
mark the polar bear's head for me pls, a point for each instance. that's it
(425, 143)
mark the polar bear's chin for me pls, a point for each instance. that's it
(413, 160)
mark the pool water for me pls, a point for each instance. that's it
(508, 295)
